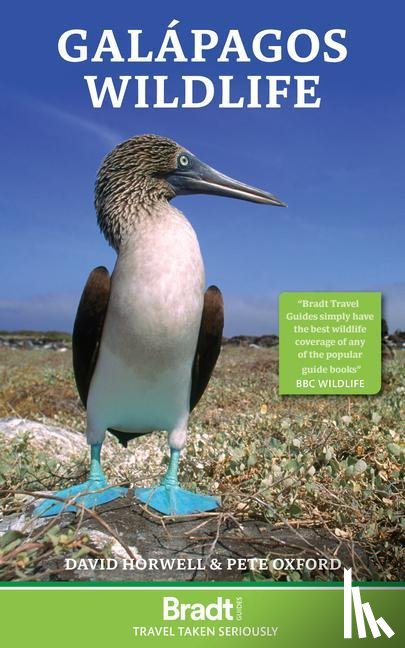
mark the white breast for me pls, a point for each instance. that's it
(142, 378)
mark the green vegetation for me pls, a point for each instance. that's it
(332, 462)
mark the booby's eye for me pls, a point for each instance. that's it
(184, 161)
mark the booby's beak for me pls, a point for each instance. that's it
(197, 178)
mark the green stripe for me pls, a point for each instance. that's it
(213, 585)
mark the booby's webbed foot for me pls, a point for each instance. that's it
(91, 493)
(173, 500)
(170, 499)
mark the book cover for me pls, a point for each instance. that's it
(201, 323)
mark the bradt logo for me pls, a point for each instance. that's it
(173, 610)
(361, 610)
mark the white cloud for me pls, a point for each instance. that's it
(107, 135)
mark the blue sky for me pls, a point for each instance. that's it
(340, 168)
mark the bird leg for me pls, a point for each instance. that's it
(170, 478)
(93, 492)
(170, 499)
(96, 472)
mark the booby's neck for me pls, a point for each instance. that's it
(120, 225)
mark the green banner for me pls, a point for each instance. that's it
(330, 342)
(215, 616)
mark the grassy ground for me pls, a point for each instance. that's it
(314, 461)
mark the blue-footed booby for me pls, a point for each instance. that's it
(146, 340)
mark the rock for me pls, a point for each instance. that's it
(100, 540)
(58, 441)
(23, 522)
(142, 458)
(34, 342)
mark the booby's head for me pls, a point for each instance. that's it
(147, 170)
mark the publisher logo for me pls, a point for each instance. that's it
(362, 612)
(173, 610)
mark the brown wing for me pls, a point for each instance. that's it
(87, 331)
(209, 343)
(88, 328)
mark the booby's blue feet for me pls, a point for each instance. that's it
(91, 493)
(173, 500)
(82, 494)
(168, 498)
